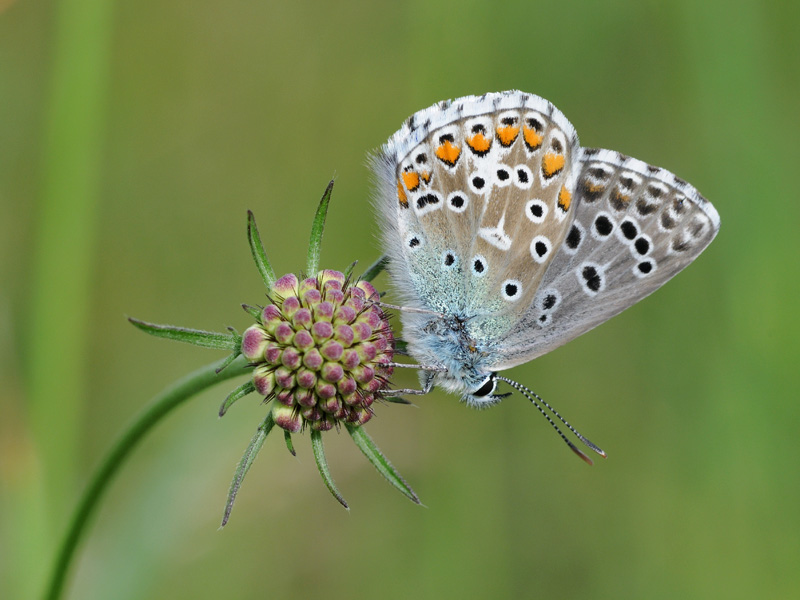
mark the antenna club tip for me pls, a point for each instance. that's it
(580, 454)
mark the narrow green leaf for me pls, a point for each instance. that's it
(257, 249)
(289, 444)
(315, 243)
(322, 465)
(244, 464)
(253, 311)
(226, 363)
(237, 340)
(380, 462)
(248, 387)
(205, 339)
(401, 346)
(375, 268)
(349, 270)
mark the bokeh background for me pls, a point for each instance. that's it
(135, 135)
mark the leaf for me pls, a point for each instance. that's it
(317, 227)
(375, 268)
(287, 437)
(257, 249)
(205, 339)
(247, 387)
(253, 311)
(380, 462)
(349, 270)
(244, 464)
(322, 465)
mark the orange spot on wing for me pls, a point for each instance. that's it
(411, 179)
(448, 153)
(426, 176)
(564, 199)
(507, 134)
(401, 195)
(552, 164)
(532, 139)
(479, 143)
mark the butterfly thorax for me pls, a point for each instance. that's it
(447, 341)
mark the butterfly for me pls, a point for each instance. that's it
(506, 238)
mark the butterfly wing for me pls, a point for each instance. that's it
(461, 187)
(635, 227)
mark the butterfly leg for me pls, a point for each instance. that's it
(426, 388)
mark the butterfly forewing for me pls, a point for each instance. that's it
(635, 227)
(482, 192)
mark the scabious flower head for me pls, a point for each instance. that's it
(321, 350)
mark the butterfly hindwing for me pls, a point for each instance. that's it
(635, 227)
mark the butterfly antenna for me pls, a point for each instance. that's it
(533, 397)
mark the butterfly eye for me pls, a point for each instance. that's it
(487, 387)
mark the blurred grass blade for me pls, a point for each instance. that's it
(318, 226)
(247, 387)
(244, 465)
(375, 268)
(380, 462)
(197, 337)
(257, 249)
(322, 465)
(397, 400)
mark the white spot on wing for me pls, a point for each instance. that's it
(496, 236)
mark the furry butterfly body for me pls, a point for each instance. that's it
(507, 239)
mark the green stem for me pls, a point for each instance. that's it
(161, 405)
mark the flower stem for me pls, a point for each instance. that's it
(161, 405)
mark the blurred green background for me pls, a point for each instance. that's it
(133, 138)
